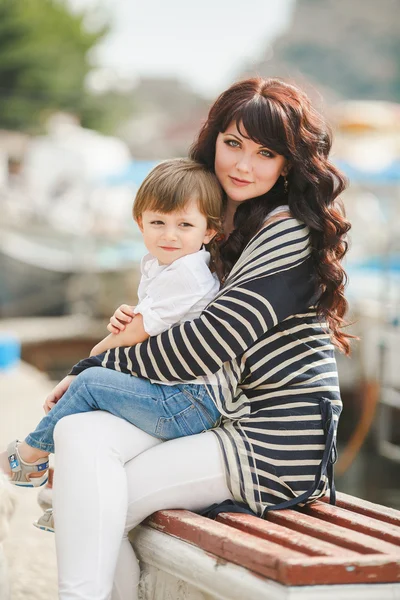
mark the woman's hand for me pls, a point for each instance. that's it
(57, 393)
(122, 316)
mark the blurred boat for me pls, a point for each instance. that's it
(68, 243)
(367, 149)
(49, 272)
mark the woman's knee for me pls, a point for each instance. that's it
(70, 426)
(82, 429)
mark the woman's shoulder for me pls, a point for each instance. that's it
(279, 226)
(277, 245)
(279, 212)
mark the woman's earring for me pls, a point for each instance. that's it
(285, 184)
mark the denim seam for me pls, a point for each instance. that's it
(115, 389)
(210, 422)
(39, 445)
(162, 420)
(42, 445)
(191, 396)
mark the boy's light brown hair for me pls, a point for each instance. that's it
(172, 183)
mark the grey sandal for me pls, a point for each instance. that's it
(21, 471)
(46, 521)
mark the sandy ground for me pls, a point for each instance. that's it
(30, 552)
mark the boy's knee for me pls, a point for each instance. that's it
(89, 376)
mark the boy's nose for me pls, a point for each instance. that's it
(170, 233)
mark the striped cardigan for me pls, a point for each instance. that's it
(268, 363)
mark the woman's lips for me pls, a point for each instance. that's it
(239, 182)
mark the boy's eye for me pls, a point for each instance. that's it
(186, 225)
(232, 143)
(156, 223)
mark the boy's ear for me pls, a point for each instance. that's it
(210, 234)
(139, 223)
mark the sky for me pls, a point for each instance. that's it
(205, 43)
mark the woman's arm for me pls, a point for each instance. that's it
(272, 283)
(133, 333)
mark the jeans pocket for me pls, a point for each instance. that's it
(187, 422)
(208, 412)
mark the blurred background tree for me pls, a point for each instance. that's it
(44, 60)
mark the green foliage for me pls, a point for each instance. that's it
(106, 111)
(43, 61)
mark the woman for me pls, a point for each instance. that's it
(264, 348)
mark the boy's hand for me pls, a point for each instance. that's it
(57, 393)
(122, 316)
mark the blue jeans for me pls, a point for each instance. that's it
(163, 411)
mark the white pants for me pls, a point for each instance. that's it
(109, 476)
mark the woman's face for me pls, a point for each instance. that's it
(245, 169)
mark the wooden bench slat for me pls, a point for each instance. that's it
(271, 560)
(234, 546)
(343, 517)
(320, 544)
(369, 509)
(310, 545)
(336, 534)
(327, 570)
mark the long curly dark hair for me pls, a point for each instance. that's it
(279, 116)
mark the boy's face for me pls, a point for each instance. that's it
(170, 236)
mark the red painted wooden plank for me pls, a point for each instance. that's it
(272, 561)
(328, 570)
(223, 541)
(345, 518)
(311, 546)
(363, 507)
(330, 532)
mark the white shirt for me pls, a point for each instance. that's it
(172, 294)
(175, 293)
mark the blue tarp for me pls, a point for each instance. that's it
(133, 174)
(389, 175)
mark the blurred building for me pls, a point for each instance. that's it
(168, 115)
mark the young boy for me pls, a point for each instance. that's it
(178, 210)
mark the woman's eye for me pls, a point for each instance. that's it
(232, 143)
(267, 153)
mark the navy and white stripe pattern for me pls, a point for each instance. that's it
(268, 363)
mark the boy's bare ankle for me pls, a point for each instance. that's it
(29, 454)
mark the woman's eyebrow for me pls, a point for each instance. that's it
(241, 138)
(234, 135)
